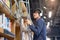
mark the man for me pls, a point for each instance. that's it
(39, 28)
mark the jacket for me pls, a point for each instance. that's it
(39, 30)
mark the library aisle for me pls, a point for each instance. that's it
(13, 14)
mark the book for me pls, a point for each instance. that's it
(1, 38)
(6, 23)
(1, 21)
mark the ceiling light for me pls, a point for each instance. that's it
(52, 0)
(44, 17)
(44, 7)
(48, 24)
(50, 14)
(48, 38)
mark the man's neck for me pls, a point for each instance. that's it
(38, 18)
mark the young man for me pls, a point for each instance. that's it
(39, 28)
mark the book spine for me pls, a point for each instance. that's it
(6, 23)
(1, 38)
(0, 21)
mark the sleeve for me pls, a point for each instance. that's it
(37, 29)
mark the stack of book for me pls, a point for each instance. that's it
(5, 24)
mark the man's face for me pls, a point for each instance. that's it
(35, 15)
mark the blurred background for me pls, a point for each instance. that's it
(50, 12)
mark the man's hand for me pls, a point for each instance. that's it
(28, 22)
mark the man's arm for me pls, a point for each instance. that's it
(38, 27)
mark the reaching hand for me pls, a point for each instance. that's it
(28, 22)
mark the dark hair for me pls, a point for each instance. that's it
(37, 10)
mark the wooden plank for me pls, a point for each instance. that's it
(9, 37)
(18, 33)
(14, 8)
(13, 25)
(2, 34)
(1, 30)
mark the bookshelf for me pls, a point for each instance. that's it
(2, 34)
(15, 27)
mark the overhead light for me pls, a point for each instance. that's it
(48, 24)
(44, 7)
(48, 38)
(44, 17)
(50, 14)
(51, 22)
(52, 0)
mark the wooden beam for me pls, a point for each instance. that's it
(18, 32)
(14, 8)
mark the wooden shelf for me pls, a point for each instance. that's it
(9, 37)
(15, 27)
(2, 34)
(4, 9)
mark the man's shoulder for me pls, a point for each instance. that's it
(41, 19)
